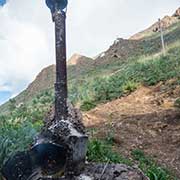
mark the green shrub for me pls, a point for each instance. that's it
(16, 135)
(149, 167)
(148, 71)
(129, 87)
(101, 151)
(157, 173)
(87, 105)
(177, 103)
(12, 105)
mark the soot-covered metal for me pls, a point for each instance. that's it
(60, 149)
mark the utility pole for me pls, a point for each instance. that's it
(162, 36)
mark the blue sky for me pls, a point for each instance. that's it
(2, 2)
(4, 95)
(27, 33)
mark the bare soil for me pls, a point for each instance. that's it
(146, 120)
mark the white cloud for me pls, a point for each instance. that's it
(5, 88)
(27, 33)
(24, 50)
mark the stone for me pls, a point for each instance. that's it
(177, 13)
(93, 171)
(113, 172)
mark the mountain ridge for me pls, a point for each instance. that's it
(166, 21)
(78, 65)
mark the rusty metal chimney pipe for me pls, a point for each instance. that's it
(59, 17)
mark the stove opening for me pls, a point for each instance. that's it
(51, 158)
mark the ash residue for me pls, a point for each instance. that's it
(113, 172)
(74, 117)
(60, 129)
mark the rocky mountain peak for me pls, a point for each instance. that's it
(74, 59)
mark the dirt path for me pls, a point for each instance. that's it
(144, 120)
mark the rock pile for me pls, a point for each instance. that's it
(107, 172)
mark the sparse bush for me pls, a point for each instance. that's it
(177, 103)
(149, 167)
(12, 105)
(15, 136)
(101, 151)
(129, 87)
(87, 105)
(148, 71)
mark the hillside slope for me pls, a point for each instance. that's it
(82, 68)
(145, 120)
(165, 23)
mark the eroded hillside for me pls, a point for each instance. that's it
(146, 119)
